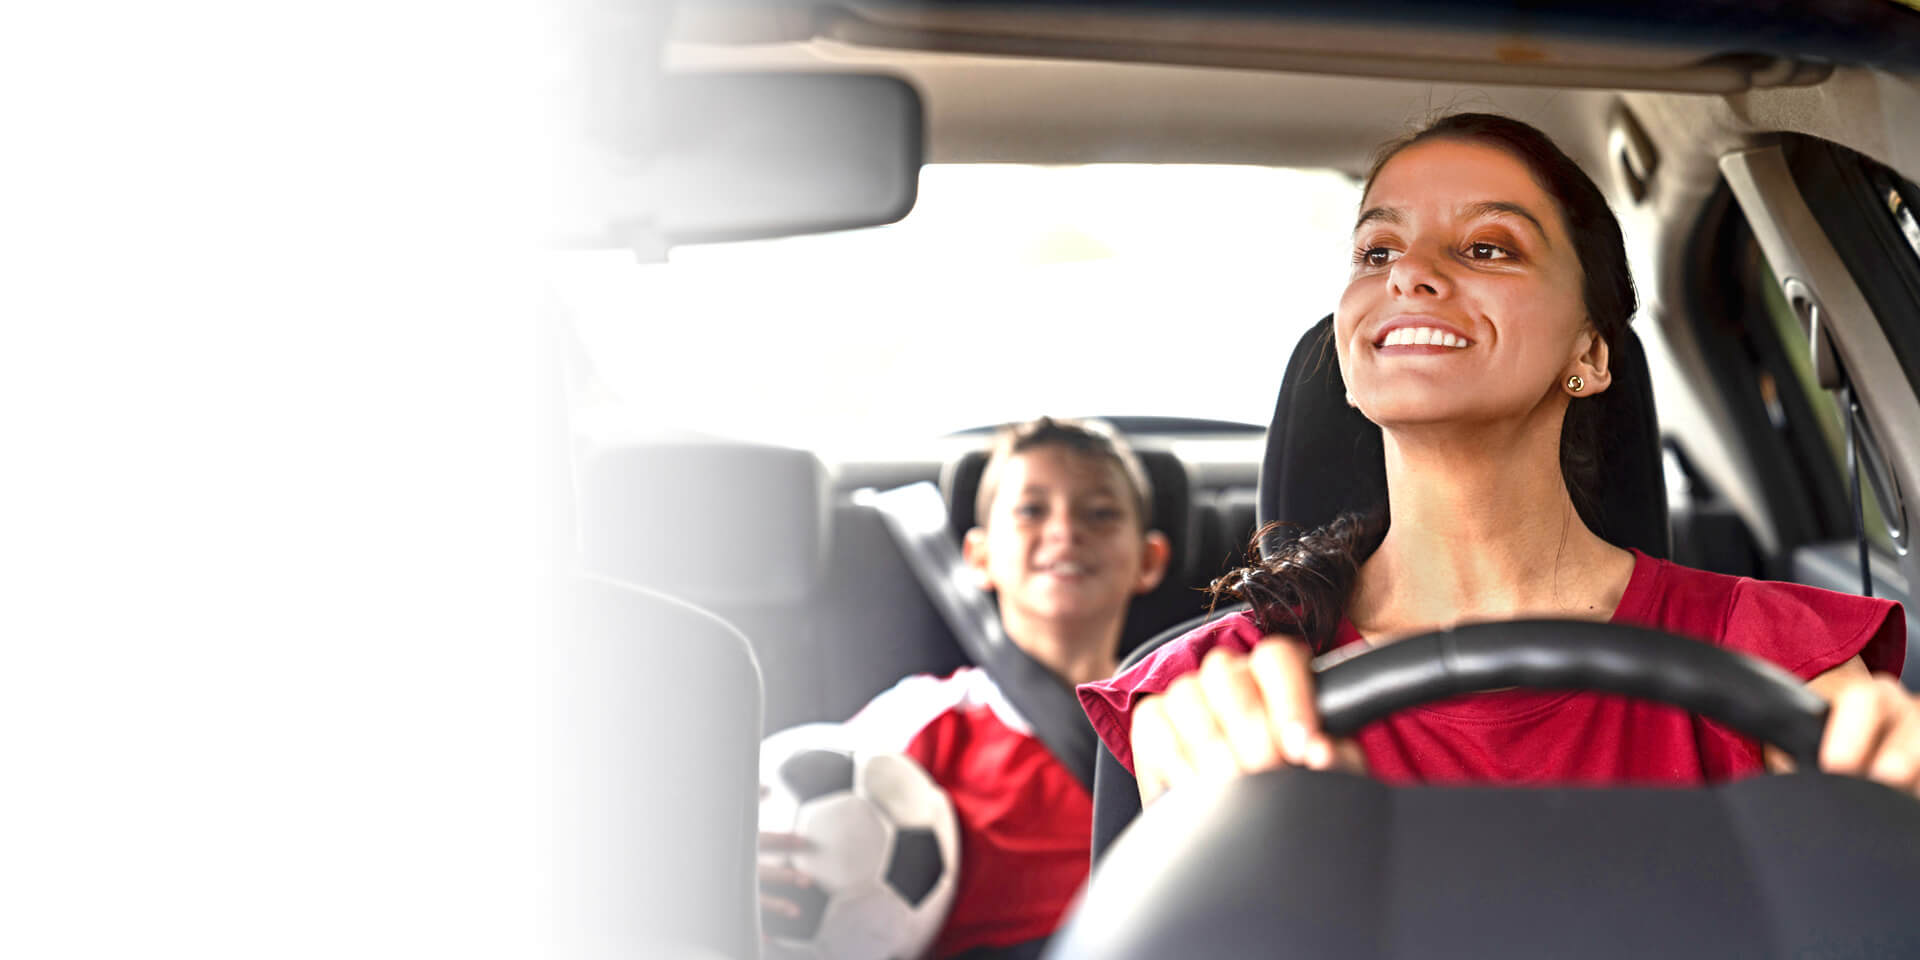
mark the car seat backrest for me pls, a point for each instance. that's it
(1223, 523)
(655, 761)
(741, 530)
(876, 625)
(1174, 599)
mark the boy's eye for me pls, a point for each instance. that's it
(1101, 517)
(1375, 256)
(1488, 251)
(1029, 511)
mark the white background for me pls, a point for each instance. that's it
(269, 508)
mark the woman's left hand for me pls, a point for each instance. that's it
(1873, 730)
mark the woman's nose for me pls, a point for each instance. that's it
(1418, 272)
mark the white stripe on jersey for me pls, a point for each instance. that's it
(891, 720)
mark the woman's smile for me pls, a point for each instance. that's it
(1421, 337)
(1419, 330)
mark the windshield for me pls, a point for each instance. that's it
(1010, 291)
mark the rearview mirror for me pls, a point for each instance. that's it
(742, 156)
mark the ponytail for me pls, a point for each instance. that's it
(1302, 588)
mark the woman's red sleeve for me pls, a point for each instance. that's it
(1109, 703)
(1809, 631)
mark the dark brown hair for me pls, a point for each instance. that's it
(1300, 586)
(1089, 438)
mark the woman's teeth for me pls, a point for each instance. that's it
(1412, 336)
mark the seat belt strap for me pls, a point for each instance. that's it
(916, 516)
(1852, 406)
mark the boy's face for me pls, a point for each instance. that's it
(1062, 537)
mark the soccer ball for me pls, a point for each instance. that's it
(884, 847)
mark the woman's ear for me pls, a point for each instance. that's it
(973, 549)
(1155, 551)
(1590, 365)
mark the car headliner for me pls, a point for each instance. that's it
(1079, 84)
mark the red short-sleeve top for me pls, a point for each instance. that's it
(1521, 736)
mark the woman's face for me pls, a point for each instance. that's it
(1465, 298)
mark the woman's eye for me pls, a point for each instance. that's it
(1488, 251)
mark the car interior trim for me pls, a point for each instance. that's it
(1798, 249)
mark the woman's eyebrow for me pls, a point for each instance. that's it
(1490, 208)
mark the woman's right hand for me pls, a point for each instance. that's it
(1238, 713)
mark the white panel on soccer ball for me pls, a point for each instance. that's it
(779, 811)
(866, 926)
(898, 785)
(780, 802)
(861, 841)
(926, 838)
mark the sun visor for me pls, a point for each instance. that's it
(713, 523)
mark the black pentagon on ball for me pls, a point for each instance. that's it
(816, 773)
(916, 864)
(812, 902)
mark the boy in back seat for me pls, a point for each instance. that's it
(1065, 543)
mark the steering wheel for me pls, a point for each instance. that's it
(1302, 863)
(1747, 694)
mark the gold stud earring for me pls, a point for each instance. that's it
(1575, 384)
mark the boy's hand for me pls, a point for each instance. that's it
(776, 879)
(1238, 713)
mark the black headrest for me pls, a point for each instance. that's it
(1324, 458)
(960, 483)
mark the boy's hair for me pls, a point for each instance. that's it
(1090, 438)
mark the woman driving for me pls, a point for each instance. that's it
(1489, 286)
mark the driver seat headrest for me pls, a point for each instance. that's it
(1325, 458)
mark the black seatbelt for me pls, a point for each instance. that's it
(916, 515)
(1851, 407)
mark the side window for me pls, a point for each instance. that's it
(1899, 195)
(1828, 417)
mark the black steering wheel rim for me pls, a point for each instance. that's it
(1746, 694)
